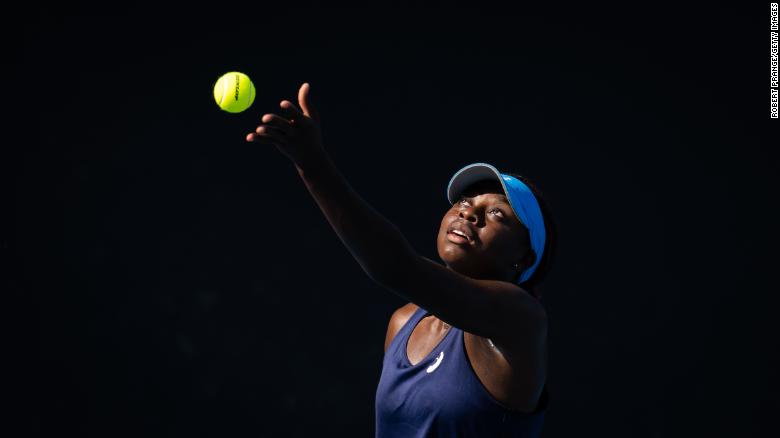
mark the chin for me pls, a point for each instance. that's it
(450, 253)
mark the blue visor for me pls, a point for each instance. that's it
(520, 197)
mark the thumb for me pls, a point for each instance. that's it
(304, 100)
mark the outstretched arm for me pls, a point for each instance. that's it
(376, 243)
(484, 307)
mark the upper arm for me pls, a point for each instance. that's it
(493, 309)
(397, 320)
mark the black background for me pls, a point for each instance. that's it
(166, 278)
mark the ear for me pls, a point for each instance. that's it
(526, 262)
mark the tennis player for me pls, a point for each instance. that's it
(466, 357)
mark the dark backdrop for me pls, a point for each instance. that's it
(166, 278)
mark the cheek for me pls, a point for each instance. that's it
(441, 236)
(513, 245)
(444, 224)
(503, 244)
(441, 233)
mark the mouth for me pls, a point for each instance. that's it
(459, 233)
(456, 238)
(462, 229)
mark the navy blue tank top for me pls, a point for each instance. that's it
(441, 396)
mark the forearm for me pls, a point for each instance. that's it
(376, 243)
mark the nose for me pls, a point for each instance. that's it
(468, 214)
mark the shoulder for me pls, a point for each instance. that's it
(526, 317)
(397, 320)
(527, 330)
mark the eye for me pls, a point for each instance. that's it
(463, 199)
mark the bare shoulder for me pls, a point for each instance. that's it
(397, 320)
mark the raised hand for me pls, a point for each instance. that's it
(296, 132)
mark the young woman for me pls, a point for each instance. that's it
(467, 355)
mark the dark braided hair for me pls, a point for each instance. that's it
(550, 244)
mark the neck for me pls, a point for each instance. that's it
(510, 276)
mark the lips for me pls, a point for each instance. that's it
(463, 228)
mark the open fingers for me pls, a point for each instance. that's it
(259, 138)
(267, 134)
(271, 131)
(291, 111)
(274, 121)
(277, 129)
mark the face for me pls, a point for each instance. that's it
(497, 239)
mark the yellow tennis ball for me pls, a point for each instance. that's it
(234, 92)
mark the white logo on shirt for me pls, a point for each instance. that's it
(436, 363)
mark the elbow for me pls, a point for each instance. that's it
(391, 260)
(395, 271)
